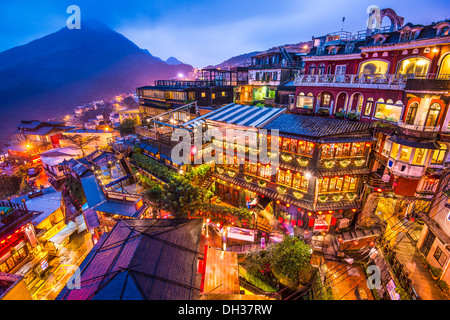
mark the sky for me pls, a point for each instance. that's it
(207, 32)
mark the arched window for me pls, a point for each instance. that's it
(416, 65)
(369, 106)
(412, 111)
(433, 115)
(312, 69)
(374, 67)
(445, 66)
(325, 99)
(321, 69)
(305, 102)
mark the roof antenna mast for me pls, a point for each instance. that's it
(343, 19)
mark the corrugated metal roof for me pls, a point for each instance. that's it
(315, 126)
(143, 259)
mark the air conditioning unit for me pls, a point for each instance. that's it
(343, 223)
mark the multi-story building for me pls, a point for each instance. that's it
(397, 77)
(32, 137)
(267, 71)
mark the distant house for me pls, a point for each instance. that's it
(103, 133)
(142, 259)
(33, 137)
(52, 162)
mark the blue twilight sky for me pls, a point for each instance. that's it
(204, 32)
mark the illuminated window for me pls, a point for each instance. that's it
(439, 155)
(203, 94)
(419, 156)
(305, 102)
(433, 115)
(213, 96)
(445, 65)
(321, 69)
(223, 93)
(416, 65)
(394, 150)
(374, 67)
(388, 112)
(405, 153)
(368, 108)
(412, 111)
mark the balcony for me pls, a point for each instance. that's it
(385, 81)
(439, 83)
(283, 65)
(418, 131)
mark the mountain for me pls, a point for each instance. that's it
(244, 60)
(173, 61)
(50, 76)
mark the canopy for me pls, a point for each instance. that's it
(64, 233)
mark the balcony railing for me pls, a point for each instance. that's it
(388, 81)
(284, 64)
(419, 127)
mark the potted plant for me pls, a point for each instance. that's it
(351, 196)
(322, 198)
(302, 162)
(337, 197)
(281, 190)
(219, 170)
(359, 162)
(344, 163)
(435, 273)
(329, 164)
(443, 285)
(262, 183)
(248, 179)
(286, 158)
(340, 114)
(297, 195)
(353, 116)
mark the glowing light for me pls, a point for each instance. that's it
(180, 75)
(308, 175)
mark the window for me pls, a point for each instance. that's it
(223, 93)
(312, 69)
(433, 115)
(440, 257)
(191, 96)
(321, 69)
(372, 67)
(419, 156)
(416, 65)
(412, 111)
(265, 171)
(203, 94)
(388, 112)
(368, 108)
(405, 153)
(445, 65)
(213, 96)
(305, 102)
(284, 177)
(326, 100)
(438, 156)
(275, 76)
(394, 150)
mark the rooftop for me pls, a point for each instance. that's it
(315, 127)
(143, 259)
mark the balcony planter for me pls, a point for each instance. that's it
(360, 162)
(281, 190)
(219, 170)
(262, 183)
(286, 158)
(435, 273)
(302, 162)
(297, 195)
(322, 198)
(337, 197)
(248, 179)
(344, 163)
(351, 196)
(231, 173)
(353, 116)
(329, 164)
(340, 115)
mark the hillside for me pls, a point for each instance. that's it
(48, 77)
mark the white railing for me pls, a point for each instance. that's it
(419, 127)
(351, 79)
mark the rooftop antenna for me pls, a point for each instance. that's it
(343, 19)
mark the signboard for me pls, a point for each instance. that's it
(44, 264)
(320, 225)
(275, 237)
(391, 289)
(241, 234)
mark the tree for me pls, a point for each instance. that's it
(81, 141)
(291, 258)
(179, 197)
(127, 126)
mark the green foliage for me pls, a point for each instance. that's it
(443, 285)
(9, 185)
(435, 272)
(322, 292)
(179, 197)
(195, 175)
(76, 191)
(289, 259)
(219, 213)
(128, 126)
(155, 168)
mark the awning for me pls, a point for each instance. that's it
(431, 145)
(64, 233)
